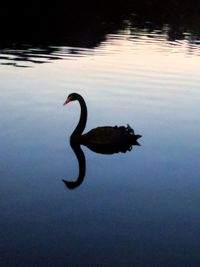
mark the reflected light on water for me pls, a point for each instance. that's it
(131, 42)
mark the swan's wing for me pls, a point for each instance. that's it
(106, 135)
(99, 135)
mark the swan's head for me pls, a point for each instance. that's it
(72, 97)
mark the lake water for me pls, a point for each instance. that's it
(139, 208)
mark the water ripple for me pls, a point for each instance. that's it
(129, 41)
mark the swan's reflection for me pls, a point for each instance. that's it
(76, 146)
(104, 140)
(81, 163)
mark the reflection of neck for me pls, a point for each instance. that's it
(82, 165)
(82, 121)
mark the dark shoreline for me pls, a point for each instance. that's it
(86, 24)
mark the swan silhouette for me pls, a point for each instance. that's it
(105, 139)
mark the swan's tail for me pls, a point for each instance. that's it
(135, 138)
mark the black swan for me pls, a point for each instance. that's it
(106, 139)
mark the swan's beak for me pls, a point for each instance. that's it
(67, 101)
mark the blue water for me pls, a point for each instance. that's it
(140, 208)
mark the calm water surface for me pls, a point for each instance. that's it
(135, 209)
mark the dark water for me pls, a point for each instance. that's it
(139, 208)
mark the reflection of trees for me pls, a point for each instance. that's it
(85, 23)
(27, 53)
(31, 32)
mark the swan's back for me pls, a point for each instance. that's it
(108, 139)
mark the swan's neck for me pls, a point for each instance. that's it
(82, 121)
(82, 166)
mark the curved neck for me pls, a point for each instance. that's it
(82, 166)
(83, 119)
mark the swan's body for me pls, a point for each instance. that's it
(106, 139)
(109, 140)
